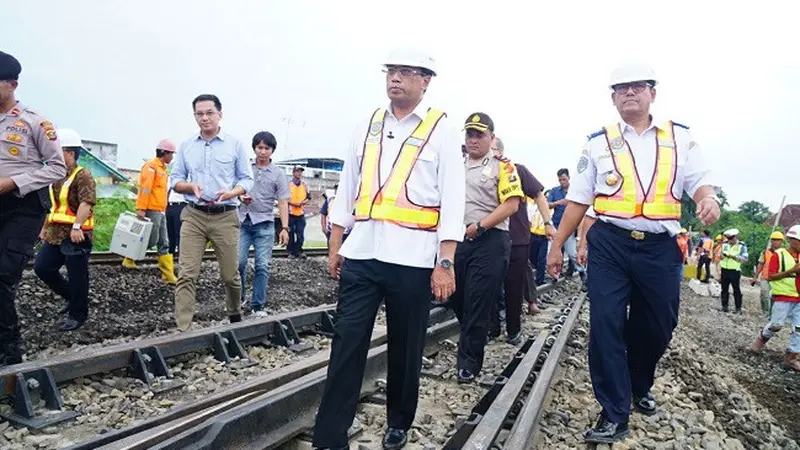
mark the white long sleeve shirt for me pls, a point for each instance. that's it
(437, 178)
(596, 163)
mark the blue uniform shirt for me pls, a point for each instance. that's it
(216, 165)
(556, 194)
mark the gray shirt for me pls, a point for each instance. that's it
(269, 185)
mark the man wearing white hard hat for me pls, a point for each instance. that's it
(68, 234)
(782, 274)
(633, 172)
(402, 190)
(734, 253)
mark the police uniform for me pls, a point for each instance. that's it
(402, 191)
(634, 184)
(481, 262)
(31, 157)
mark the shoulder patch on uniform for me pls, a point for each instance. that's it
(502, 158)
(583, 163)
(595, 134)
(680, 125)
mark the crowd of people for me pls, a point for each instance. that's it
(412, 223)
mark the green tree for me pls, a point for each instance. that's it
(755, 211)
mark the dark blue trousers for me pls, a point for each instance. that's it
(538, 256)
(297, 231)
(634, 286)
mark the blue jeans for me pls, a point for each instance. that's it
(261, 236)
(297, 229)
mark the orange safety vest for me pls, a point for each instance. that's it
(297, 195)
(718, 252)
(389, 202)
(630, 199)
(683, 244)
(768, 253)
(60, 212)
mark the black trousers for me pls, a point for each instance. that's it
(704, 262)
(297, 232)
(731, 278)
(538, 256)
(480, 266)
(76, 257)
(363, 285)
(174, 225)
(515, 282)
(635, 288)
(21, 220)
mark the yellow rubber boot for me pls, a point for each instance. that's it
(167, 268)
(128, 263)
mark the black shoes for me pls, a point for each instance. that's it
(645, 405)
(515, 338)
(606, 432)
(70, 324)
(465, 376)
(11, 354)
(235, 318)
(394, 439)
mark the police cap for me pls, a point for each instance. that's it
(479, 121)
(9, 67)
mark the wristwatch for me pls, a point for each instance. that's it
(285, 228)
(75, 226)
(479, 227)
(548, 222)
(446, 263)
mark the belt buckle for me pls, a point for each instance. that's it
(638, 235)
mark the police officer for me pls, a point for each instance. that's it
(68, 234)
(405, 201)
(734, 253)
(633, 172)
(30, 159)
(493, 194)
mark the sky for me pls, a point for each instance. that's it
(310, 71)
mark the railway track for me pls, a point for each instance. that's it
(112, 259)
(270, 407)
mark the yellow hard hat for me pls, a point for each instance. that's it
(718, 238)
(776, 235)
(683, 230)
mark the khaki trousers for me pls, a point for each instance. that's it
(197, 229)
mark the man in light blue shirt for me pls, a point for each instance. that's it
(211, 169)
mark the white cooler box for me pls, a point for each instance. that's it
(131, 236)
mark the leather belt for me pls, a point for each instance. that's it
(212, 209)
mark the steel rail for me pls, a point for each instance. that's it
(183, 416)
(285, 412)
(528, 418)
(151, 257)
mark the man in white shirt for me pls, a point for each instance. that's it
(406, 212)
(633, 173)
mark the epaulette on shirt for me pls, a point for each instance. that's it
(502, 159)
(680, 125)
(595, 134)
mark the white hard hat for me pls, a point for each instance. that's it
(794, 232)
(411, 58)
(69, 138)
(732, 232)
(630, 72)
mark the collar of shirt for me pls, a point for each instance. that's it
(626, 127)
(221, 135)
(158, 162)
(420, 111)
(471, 163)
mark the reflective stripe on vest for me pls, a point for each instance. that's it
(389, 202)
(60, 212)
(786, 287)
(730, 263)
(768, 254)
(630, 199)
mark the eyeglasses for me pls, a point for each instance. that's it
(404, 71)
(637, 87)
(200, 115)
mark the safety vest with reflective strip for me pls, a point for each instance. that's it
(785, 287)
(731, 263)
(537, 221)
(389, 202)
(630, 199)
(60, 212)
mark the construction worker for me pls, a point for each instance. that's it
(762, 270)
(68, 234)
(734, 253)
(634, 260)
(683, 243)
(212, 169)
(151, 202)
(298, 199)
(256, 216)
(402, 190)
(782, 273)
(519, 232)
(493, 194)
(716, 258)
(704, 249)
(30, 160)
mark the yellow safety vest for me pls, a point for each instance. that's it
(537, 221)
(730, 263)
(785, 287)
(60, 212)
(630, 199)
(389, 202)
